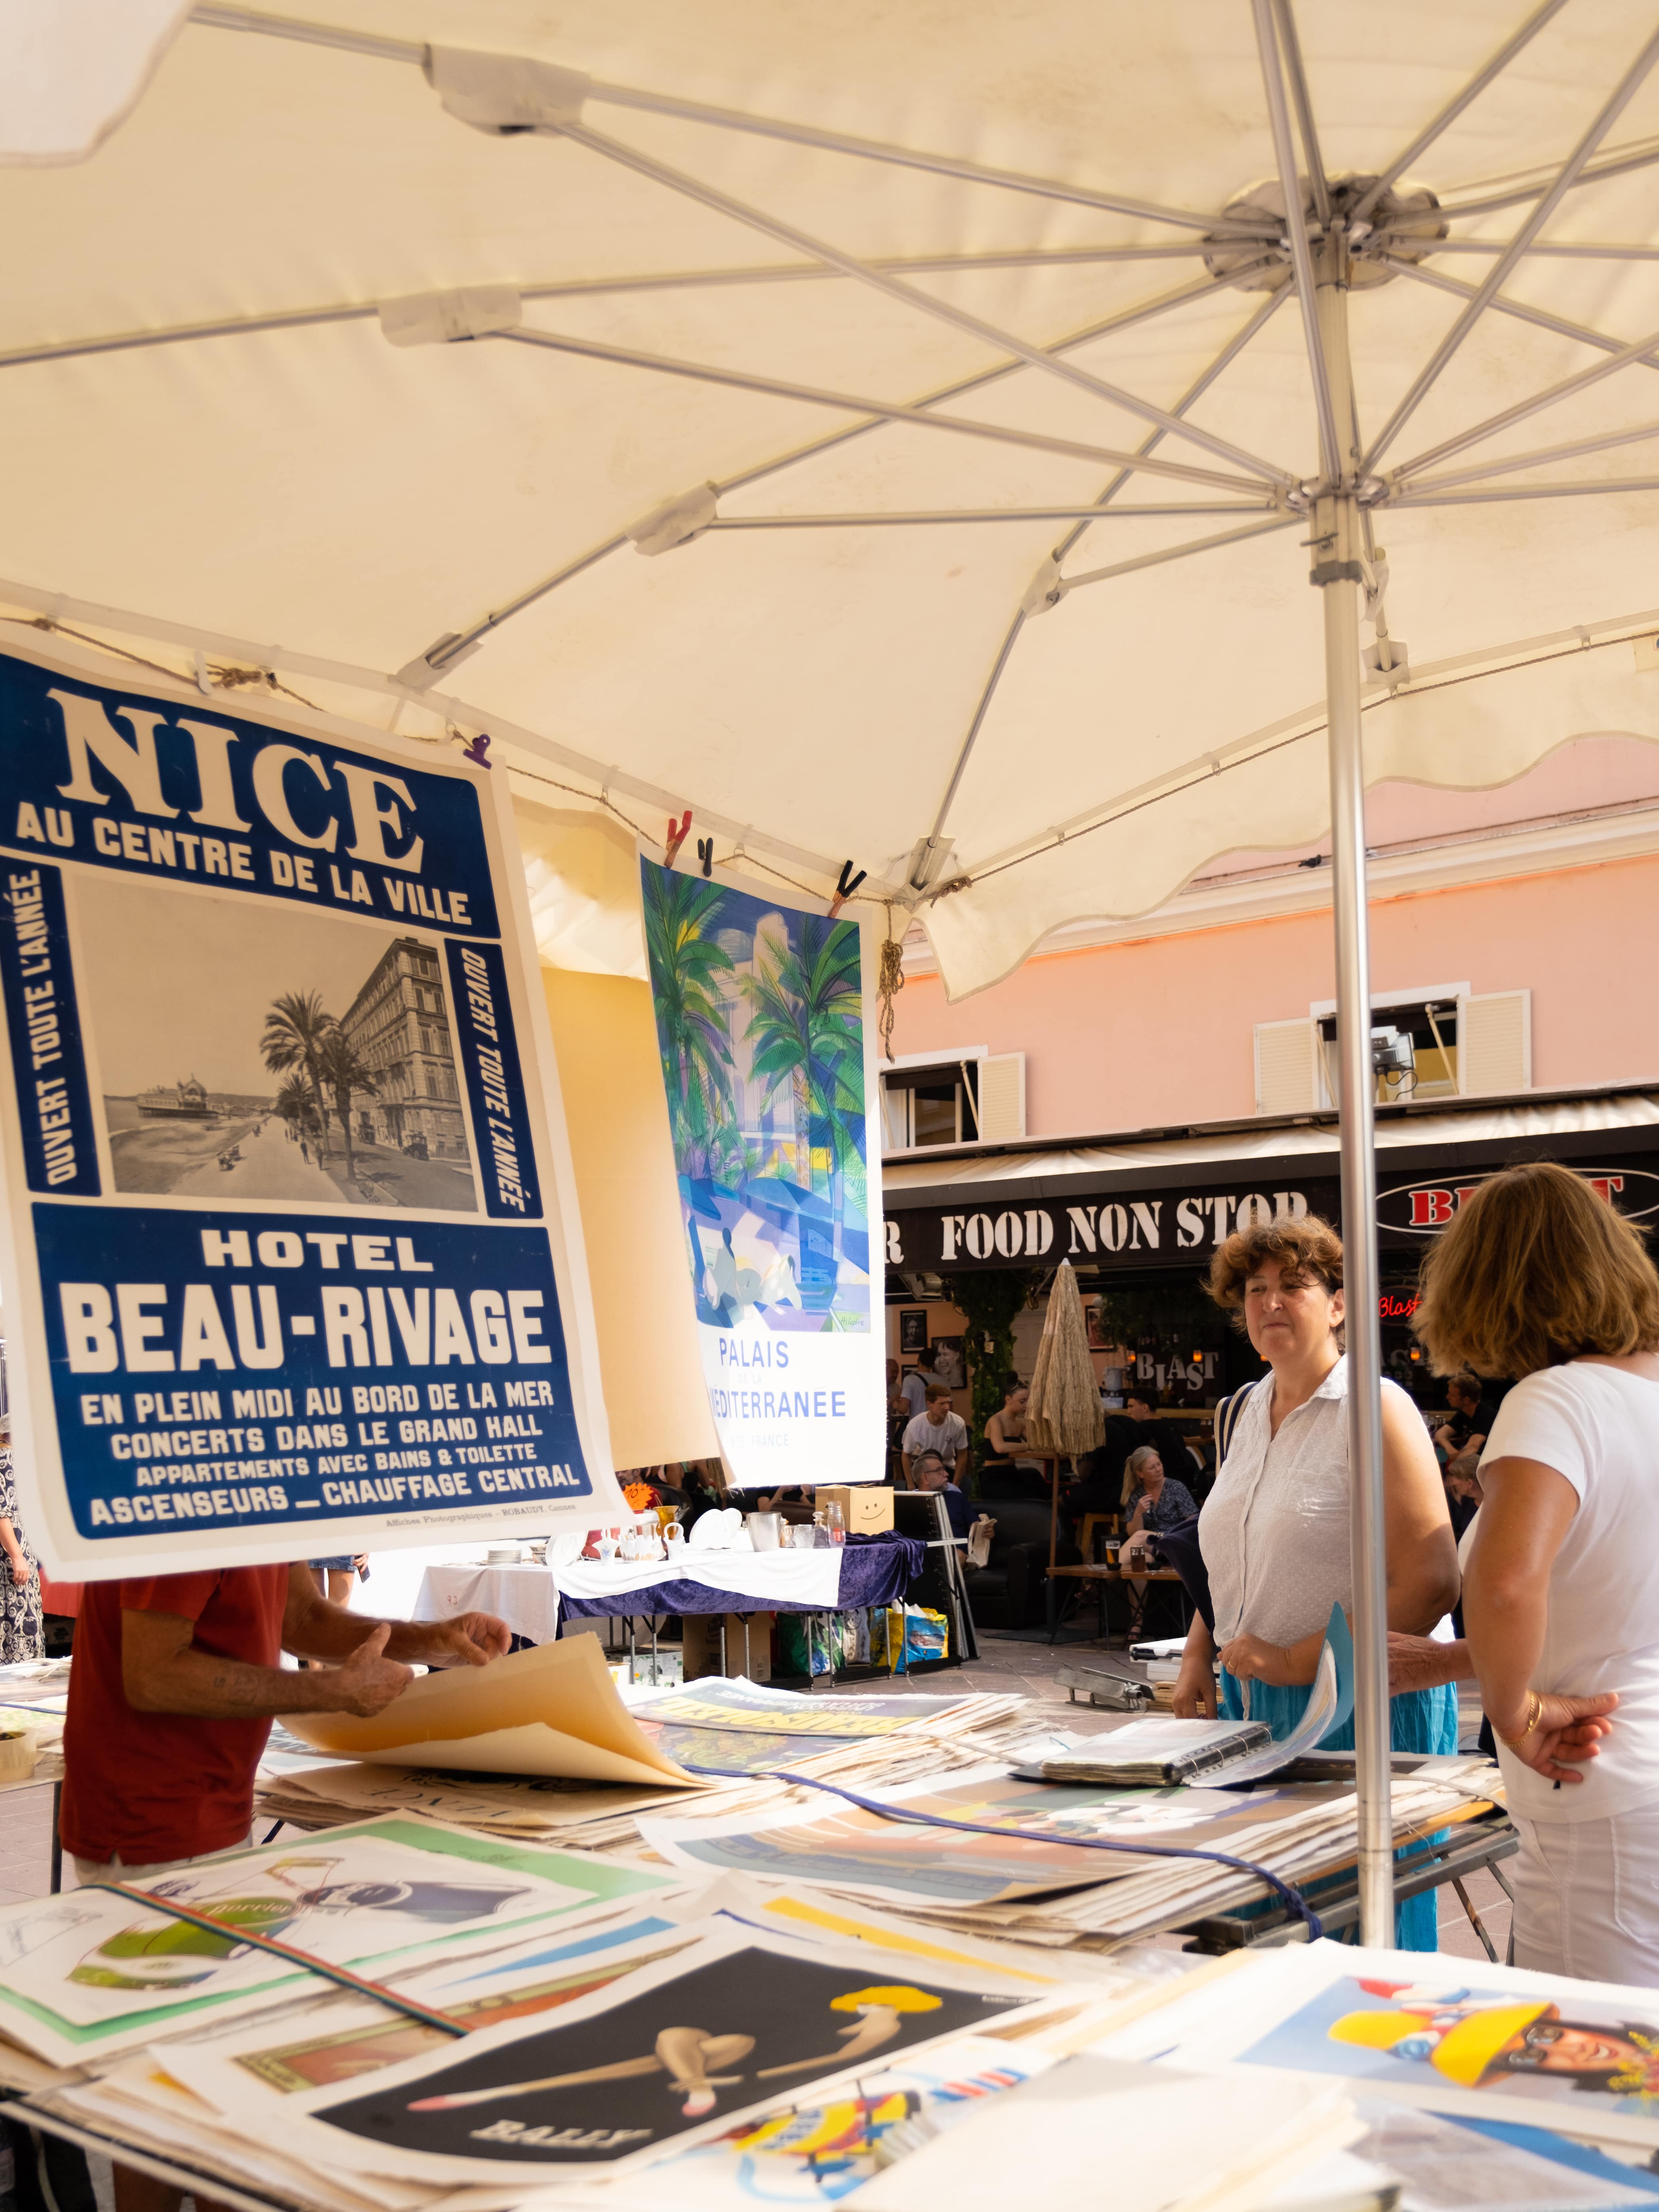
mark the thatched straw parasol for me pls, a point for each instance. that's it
(1064, 1413)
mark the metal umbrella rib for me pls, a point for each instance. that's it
(1612, 108)
(1454, 106)
(1568, 388)
(848, 404)
(1190, 398)
(728, 118)
(440, 657)
(708, 196)
(1295, 230)
(1522, 311)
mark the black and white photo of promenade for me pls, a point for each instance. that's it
(248, 1053)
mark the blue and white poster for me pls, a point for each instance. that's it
(291, 1265)
(762, 1014)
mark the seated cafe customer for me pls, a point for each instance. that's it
(1157, 1501)
(1008, 1462)
(1471, 1420)
(937, 1429)
(931, 1473)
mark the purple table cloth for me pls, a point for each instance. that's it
(874, 1571)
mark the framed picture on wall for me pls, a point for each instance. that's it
(913, 1329)
(951, 1361)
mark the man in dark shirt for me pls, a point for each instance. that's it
(1163, 1437)
(1471, 1420)
(930, 1473)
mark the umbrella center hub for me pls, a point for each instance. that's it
(1403, 224)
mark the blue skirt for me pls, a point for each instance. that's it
(1418, 1720)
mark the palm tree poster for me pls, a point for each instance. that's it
(314, 1064)
(761, 1026)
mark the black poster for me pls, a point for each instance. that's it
(714, 2040)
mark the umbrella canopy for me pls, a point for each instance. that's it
(1065, 1414)
(353, 340)
(904, 437)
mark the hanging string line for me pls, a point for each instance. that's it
(358, 1983)
(1288, 1895)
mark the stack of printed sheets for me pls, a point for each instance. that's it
(576, 2032)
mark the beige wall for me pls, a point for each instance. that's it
(616, 1116)
(1160, 1030)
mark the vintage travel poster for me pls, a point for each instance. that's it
(348, 2041)
(92, 1972)
(1500, 2044)
(292, 1260)
(669, 2056)
(763, 1014)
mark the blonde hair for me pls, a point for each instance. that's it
(1534, 1269)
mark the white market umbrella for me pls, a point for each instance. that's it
(945, 365)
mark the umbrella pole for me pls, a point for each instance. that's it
(1338, 553)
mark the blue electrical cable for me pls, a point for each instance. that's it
(1289, 1895)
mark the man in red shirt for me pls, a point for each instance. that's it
(174, 1686)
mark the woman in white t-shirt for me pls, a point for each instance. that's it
(1539, 1278)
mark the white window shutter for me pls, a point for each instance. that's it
(1287, 1072)
(1494, 1042)
(895, 1119)
(1002, 1098)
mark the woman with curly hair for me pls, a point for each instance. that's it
(1275, 1529)
(1538, 1277)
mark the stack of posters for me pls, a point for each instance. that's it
(93, 1972)
(1043, 1877)
(551, 1710)
(575, 2038)
(739, 1727)
(542, 1809)
(719, 1732)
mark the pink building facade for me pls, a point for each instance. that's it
(1547, 887)
(1137, 1090)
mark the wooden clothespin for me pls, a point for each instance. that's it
(706, 854)
(677, 837)
(478, 751)
(845, 887)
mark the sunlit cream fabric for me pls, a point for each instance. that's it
(318, 498)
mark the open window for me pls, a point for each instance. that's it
(976, 1096)
(1440, 1042)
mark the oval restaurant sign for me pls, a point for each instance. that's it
(1423, 1209)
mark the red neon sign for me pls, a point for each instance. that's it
(1397, 1305)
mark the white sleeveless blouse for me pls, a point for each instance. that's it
(1275, 1530)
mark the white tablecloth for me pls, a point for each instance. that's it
(792, 1577)
(526, 1598)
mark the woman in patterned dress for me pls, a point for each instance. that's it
(21, 1630)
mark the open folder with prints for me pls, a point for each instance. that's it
(1148, 1751)
(1229, 1752)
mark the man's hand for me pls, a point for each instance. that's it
(471, 1640)
(369, 1681)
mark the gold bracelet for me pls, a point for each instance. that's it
(1535, 1711)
